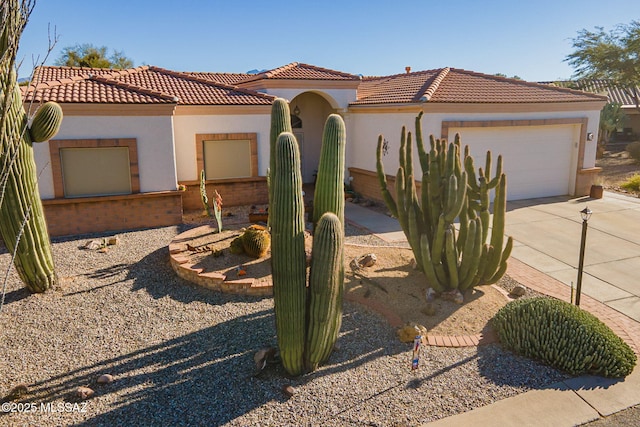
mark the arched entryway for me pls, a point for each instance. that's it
(309, 112)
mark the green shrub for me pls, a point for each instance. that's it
(634, 150)
(563, 336)
(632, 184)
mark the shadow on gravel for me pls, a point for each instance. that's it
(154, 274)
(505, 368)
(203, 378)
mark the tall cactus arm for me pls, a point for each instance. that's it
(503, 263)
(402, 151)
(422, 153)
(401, 200)
(382, 179)
(288, 260)
(22, 220)
(428, 262)
(456, 196)
(329, 191)
(495, 181)
(280, 122)
(46, 122)
(471, 260)
(326, 279)
(451, 256)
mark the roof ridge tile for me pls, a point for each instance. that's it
(433, 86)
(187, 76)
(134, 88)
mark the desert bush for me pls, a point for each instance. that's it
(632, 184)
(634, 150)
(563, 336)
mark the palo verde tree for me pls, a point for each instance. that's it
(22, 221)
(614, 56)
(88, 55)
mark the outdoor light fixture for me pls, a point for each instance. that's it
(296, 111)
(585, 214)
(590, 136)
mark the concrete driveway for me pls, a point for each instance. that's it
(547, 233)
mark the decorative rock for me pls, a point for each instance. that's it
(84, 393)
(263, 356)
(17, 392)
(367, 260)
(92, 245)
(105, 379)
(431, 294)
(288, 390)
(429, 309)
(112, 241)
(103, 250)
(454, 296)
(518, 291)
(408, 332)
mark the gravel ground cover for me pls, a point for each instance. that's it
(183, 355)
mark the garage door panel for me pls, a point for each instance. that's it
(538, 160)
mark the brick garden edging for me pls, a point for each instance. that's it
(211, 280)
(624, 327)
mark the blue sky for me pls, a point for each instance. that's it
(371, 37)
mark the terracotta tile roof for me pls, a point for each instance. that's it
(299, 71)
(138, 85)
(614, 92)
(451, 85)
(93, 89)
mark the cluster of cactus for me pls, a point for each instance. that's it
(452, 260)
(563, 336)
(217, 201)
(22, 221)
(308, 319)
(254, 241)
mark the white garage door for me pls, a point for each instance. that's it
(539, 161)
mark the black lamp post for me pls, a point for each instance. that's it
(585, 214)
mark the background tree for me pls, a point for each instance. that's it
(612, 117)
(515, 77)
(88, 55)
(614, 56)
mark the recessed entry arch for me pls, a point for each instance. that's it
(312, 111)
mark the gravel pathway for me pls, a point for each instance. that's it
(182, 355)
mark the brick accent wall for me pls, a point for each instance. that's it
(113, 213)
(234, 192)
(366, 183)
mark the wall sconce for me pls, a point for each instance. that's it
(589, 136)
(296, 111)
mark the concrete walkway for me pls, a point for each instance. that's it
(546, 236)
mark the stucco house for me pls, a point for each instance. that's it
(130, 137)
(625, 96)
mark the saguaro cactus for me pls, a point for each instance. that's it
(452, 260)
(307, 320)
(280, 122)
(22, 220)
